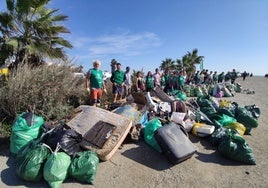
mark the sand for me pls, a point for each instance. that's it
(138, 165)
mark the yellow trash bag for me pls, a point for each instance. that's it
(225, 103)
(239, 127)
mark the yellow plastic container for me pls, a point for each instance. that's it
(5, 72)
(202, 130)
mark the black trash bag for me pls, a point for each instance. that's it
(84, 166)
(31, 159)
(55, 137)
(236, 148)
(69, 140)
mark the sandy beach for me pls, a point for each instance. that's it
(138, 165)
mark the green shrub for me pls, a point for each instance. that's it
(48, 91)
(5, 130)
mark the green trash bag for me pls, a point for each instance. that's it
(227, 92)
(56, 168)
(245, 117)
(216, 124)
(238, 88)
(208, 110)
(198, 91)
(192, 92)
(204, 90)
(84, 166)
(187, 90)
(149, 130)
(26, 127)
(227, 111)
(236, 148)
(255, 110)
(210, 90)
(181, 95)
(30, 161)
(204, 101)
(225, 120)
(220, 134)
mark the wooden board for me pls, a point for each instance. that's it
(162, 95)
(103, 131)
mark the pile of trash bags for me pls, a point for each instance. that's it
(53, 154)
(231, 122)
(216, 90)
(223, 122)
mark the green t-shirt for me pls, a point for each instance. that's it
(96, 76)
(181, 80)
(215, 77)
(149, 82)
(118, 77)
(233, 75)
(167, 79)
(197, 78)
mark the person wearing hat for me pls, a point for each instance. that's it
(94, 83)
(118, 78)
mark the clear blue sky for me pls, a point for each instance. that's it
(142, 33)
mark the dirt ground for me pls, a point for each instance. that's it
(138, 165)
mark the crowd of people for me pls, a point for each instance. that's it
(169, 80)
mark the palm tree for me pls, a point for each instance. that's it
(168, 64)
(189, 61)
(29, 32)
(179, 65)
(194, 58)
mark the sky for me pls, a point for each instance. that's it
(230, 34)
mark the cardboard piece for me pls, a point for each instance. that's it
(139, 98)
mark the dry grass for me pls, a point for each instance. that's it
(49, 91)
